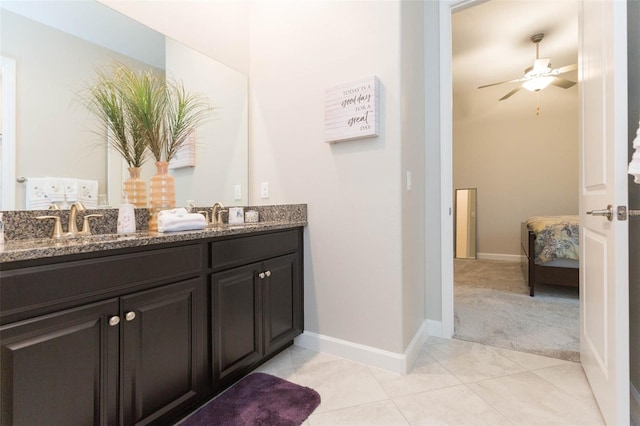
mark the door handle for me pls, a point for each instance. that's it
(608, 212)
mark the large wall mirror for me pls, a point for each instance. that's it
(466, 230)
(56, 47)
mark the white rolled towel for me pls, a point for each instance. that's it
(179, 220)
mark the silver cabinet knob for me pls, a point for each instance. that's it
(261, 275)
(268, 273)
(130, 316)
(114, 320)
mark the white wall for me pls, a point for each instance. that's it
(353, 246)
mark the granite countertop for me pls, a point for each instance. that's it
(18, 250)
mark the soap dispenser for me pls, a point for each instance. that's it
(126, 217)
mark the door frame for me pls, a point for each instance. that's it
(447, 8)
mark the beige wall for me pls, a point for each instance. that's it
(522, 164)
(634, 201)
(353, 244)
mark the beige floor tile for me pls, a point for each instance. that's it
(527, 399)
(282, 361)
(531, 361)
(457, 405)
(471, 362)
(426, 374)
(340, 384)
(383, 413)
(571, 379)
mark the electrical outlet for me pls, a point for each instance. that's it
(237, 192)
(264, 190)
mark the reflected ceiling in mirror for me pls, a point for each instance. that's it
(55, 135)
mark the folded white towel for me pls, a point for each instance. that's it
(177, 212)
(55, 189)
(37, 194)
(88, 193)
(70, 190)
(187, 222)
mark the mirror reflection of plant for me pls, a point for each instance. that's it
(144, 112)
(145, 97)
(185, 111)
(106, 101)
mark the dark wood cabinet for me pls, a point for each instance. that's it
(256, 308)
(236, 321)
(143, 335)
(162, 351)
(62, 368)
(282, 302)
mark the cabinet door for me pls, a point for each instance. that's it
(61, 368)
(237, 327)
(163, 351)
(282, 294)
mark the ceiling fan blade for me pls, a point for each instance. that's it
(541, 65)
(564, 69)
(511, 93)
(501, 82)
(561, 82)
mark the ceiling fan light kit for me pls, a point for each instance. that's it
(540, 75)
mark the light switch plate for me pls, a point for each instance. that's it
(237, 192)
(264, 190)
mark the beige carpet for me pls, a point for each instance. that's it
(493, 307)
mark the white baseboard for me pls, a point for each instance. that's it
(498, 256)
(390, 361)
(635, 406)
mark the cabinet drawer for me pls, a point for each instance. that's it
(40, 289)
(241, 251)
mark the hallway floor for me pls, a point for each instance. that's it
(451, 383)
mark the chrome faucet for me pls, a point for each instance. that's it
(73, 213)
(216, 214)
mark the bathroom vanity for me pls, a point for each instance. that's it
(143, 329)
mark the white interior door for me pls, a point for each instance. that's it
(604, 279)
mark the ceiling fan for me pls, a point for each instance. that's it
(540, 75)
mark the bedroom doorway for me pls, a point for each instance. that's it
(521, 152)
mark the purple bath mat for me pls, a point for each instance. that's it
(258, 399)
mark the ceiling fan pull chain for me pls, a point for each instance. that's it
(538, 103)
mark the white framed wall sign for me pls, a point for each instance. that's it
(352, 110)
(186, 155)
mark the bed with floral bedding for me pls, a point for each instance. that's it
(551, 251)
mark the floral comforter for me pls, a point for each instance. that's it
(556, 237)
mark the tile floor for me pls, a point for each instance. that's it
(451, 383)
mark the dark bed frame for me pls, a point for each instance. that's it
(539, 274)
